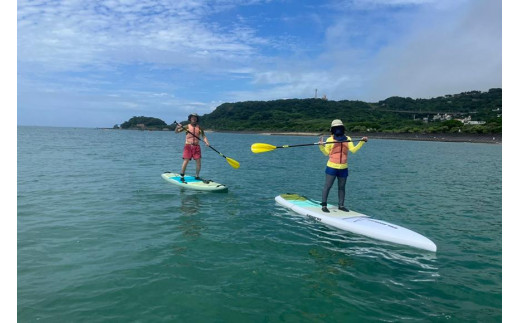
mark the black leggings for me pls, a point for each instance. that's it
(329, 180)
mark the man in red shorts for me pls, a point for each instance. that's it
(192, 147)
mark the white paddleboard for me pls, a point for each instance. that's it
(355, 222)
(190, 182)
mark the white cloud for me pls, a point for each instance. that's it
(431, 52)
(458, 52)
(72, 35)
(168, 57)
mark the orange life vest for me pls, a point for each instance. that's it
(339, 153)
(191, 139)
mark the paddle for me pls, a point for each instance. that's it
(262, 148)
(230, 161)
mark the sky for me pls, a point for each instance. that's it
(99, 63)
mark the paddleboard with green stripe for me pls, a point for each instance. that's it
(192, 183)
(355, 222)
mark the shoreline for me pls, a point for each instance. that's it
(441, 137)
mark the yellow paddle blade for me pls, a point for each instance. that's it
(261, 148)
(233, 162)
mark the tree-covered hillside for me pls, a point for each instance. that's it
(144, 123)
(467, 112)
(394, 114)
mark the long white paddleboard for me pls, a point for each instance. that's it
(355, 222)
(190, 182)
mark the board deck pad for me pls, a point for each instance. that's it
(190, 182)
(187, 179)
(315, 206)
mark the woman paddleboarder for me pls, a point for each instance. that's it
(337, 165)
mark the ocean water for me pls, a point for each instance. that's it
(103, 238)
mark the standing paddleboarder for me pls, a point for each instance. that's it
(191, 146)
(337, 165)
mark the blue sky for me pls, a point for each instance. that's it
(98, 63)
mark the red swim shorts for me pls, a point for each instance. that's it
(191, 151)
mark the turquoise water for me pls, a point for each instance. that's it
(103, 238)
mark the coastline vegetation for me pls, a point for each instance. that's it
(473, 112)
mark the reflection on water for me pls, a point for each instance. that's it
(190, 225)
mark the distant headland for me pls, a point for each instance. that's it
(473, 116)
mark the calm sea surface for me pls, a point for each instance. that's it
(103, 238)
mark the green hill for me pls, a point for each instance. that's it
(142, 122)
(480, 112)
(395, 114)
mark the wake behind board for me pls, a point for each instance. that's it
(355, 222)
(190, 182)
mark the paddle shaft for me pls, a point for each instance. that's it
(313, 144)
(200, 139)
